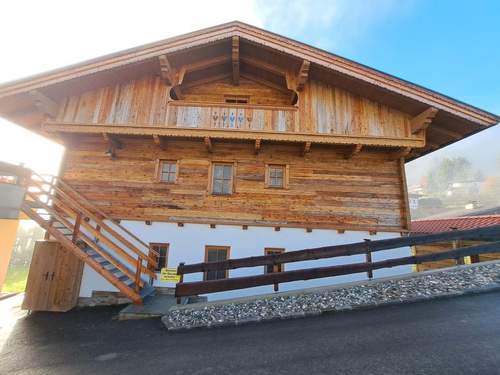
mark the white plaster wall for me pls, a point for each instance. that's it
(187, 244)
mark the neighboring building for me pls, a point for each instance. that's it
(233, 141)
(447, 224)
(413, 200)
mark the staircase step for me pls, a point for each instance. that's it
(147, 290)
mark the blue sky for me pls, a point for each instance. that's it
(452, 47)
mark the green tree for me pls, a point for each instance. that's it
(447, 171)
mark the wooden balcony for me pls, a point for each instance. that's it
(233, 116)
(229, 121)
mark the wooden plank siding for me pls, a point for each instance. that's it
(325, 190)
(321, 109)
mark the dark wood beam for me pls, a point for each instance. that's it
(356, 149)
(423, 120)
(208, 143)
(235, 58)
(258, 143)
(263, 65)
(44, 104)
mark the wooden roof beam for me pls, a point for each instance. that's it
(204, 64)
(205, 80)
(263, 65)
(44, 104)
(356, 149)
(208, 143)
(423, 120)
(449, 133)
(264, 82)
(235, 58)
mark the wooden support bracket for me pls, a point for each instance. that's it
(307, 148)
(44, 104)
(423, 120)
(171, 76)
(208, 143)
(356, 149)
(258, 143)
(160, 142)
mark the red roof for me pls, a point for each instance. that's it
(445, 225)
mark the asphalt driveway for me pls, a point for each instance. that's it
(453, 336)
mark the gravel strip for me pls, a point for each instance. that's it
(416, 287)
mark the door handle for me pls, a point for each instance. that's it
(52, 276)
(46, 276)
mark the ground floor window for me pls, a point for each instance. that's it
(216, 254)
(276, 267)
(162, 250)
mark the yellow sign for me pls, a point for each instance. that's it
(169, 274)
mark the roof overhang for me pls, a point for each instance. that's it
(454, 121)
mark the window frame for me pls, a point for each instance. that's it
(286, 169)
(228, 256)
(237, 99)
(159, 170)
(211, 179)
(280, 250)
(157, 269)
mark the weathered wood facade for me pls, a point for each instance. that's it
(228, 106)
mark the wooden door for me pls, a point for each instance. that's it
(54, 278)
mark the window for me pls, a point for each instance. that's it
(216, 254)
(276, 176)
(236, 99)
(167, 171)
(162, 250)
(276, 267)
(222, 178)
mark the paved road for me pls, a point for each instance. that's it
(455, 336)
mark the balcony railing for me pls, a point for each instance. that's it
(233, 116)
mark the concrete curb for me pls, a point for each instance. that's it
(328, 310)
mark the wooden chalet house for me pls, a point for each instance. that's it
(224, 143)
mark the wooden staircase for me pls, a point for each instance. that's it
(101, 242)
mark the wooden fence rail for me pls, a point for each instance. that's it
(210, 286)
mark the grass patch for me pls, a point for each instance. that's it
(16, 279)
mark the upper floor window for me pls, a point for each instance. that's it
(276, 176)
(222, 178)
(167, 171)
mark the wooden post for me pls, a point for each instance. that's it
(368, 256)
(138, 274)
(180, 281)
(456, 244)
